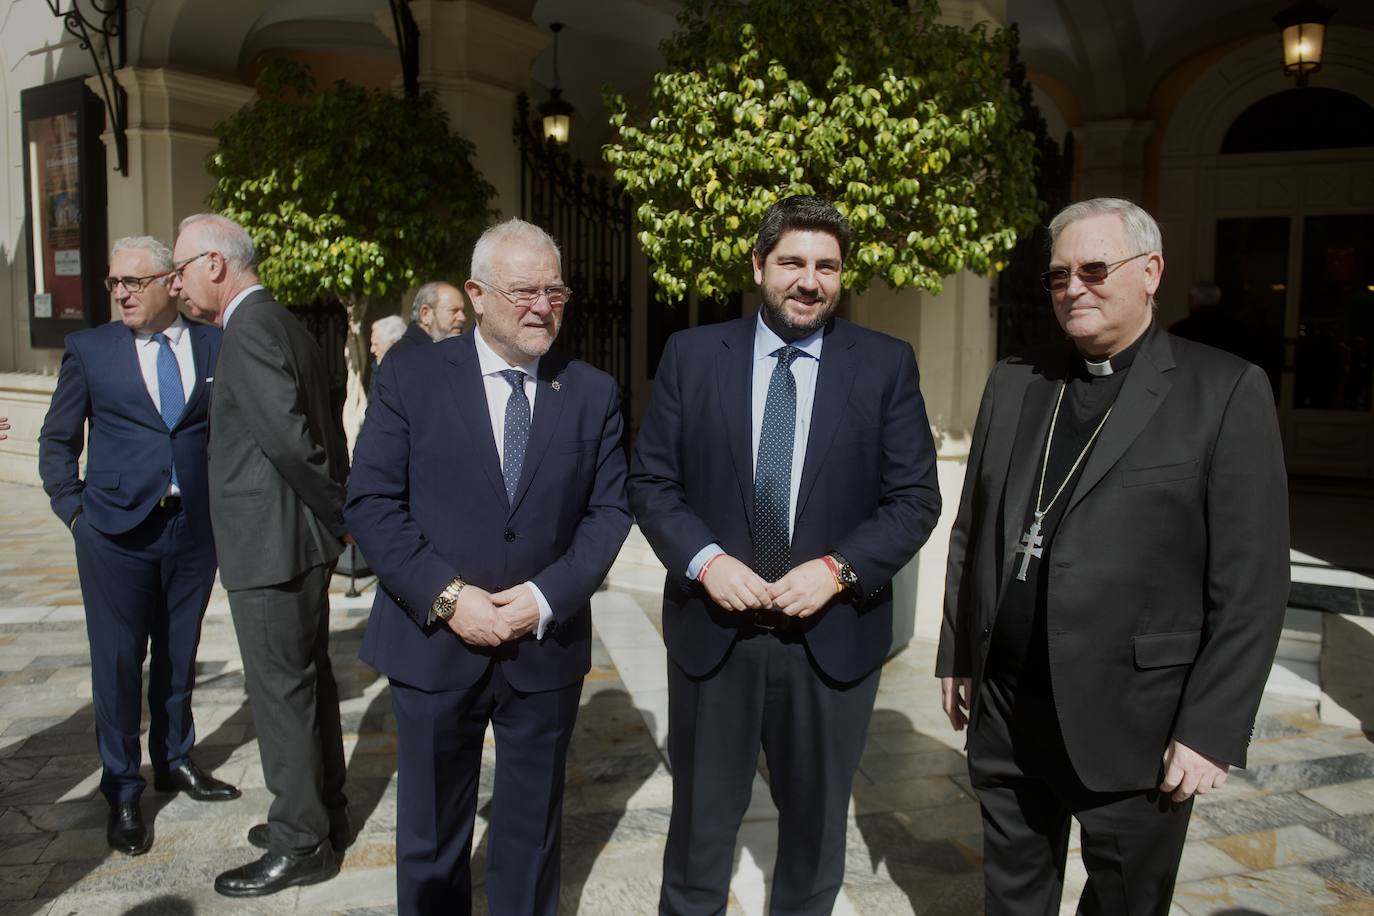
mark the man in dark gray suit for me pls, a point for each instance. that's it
(278, 463)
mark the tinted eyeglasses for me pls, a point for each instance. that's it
(558, 296)
(1091, 273)
(135, 284)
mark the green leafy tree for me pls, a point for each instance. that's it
(908, 126)
(350, 194)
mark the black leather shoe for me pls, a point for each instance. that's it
(260, 836)
(125, 830)
(195, 782)
(273, 873)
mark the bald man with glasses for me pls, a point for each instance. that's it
(1117, 578)
(140, 520)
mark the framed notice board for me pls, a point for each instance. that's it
(64, 209)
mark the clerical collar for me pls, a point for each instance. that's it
(1118, 363)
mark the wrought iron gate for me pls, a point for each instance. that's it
(590, 218)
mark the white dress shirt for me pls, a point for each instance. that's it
(179, 336)
(234, 303)
(498, 392)
(804, 369)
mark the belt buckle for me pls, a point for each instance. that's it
(760, 617)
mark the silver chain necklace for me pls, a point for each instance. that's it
(1031, 540)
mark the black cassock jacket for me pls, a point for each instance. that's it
(1169, 573)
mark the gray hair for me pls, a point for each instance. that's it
(227, 237)
(1140, 227)
(388, 330)
(1206, 294)
(512, 230)
(161, 254)
(427, 295)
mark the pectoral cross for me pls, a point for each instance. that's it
(1030, 546)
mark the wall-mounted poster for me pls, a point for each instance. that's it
(64, 177)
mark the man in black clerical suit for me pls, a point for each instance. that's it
(1117, 577)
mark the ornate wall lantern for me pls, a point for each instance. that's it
(556, 112)
(1303, 26)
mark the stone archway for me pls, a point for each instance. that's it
(1205, 196)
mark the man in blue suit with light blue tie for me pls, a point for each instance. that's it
(488, 494)
(141, 523)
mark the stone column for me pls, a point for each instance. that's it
(172, 116)
(953, 336)
(477, 60)
(1111, 158)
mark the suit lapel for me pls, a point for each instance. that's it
(834, 381)
(1026, 456)
(470, 401)
(1141, 394)
(124, 356)
(734, 380)
(548, 409)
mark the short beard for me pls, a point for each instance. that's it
(778, 318)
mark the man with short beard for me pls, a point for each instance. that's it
(436, 314)
(784, 473)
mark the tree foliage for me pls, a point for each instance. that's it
(349, 193)
(908, 126)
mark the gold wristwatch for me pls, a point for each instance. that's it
(448, 599)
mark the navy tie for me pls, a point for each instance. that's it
(773, 474)
(171, 399)
(517, 431)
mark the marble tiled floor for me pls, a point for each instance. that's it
(1294, 834)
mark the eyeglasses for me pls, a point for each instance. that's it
(558, 296)
(134, 284)
(179, 268)
(1091, 273)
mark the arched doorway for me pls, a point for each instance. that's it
(1270, 191)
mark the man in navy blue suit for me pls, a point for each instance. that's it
(784, 473)
(141, 523)
(488, 494)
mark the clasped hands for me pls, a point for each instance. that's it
(481, 618)
(802, 592)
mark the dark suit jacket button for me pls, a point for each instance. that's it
(510, 535)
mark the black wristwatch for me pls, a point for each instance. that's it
(846, 575)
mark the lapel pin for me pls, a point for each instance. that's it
(557, 386)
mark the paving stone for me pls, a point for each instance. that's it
(20, 882)
(1325, 771)
(23, 848)
(1276, 848)
(1295, 889)
(910, 795)
(1266, 812)
(1345, 798)
(1355, 872)
(1203, 860)
(1355, 833)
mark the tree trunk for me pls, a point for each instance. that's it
(355, 358)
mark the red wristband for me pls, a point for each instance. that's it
(701, 576)
(834, 571)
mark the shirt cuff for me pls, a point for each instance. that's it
(709, 552)
(545, 612)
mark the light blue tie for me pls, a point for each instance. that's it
(171, 399)
(773, 474)
(517, 431)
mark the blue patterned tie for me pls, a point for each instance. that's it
(517, 431)
(171, 399)
(773, 474)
